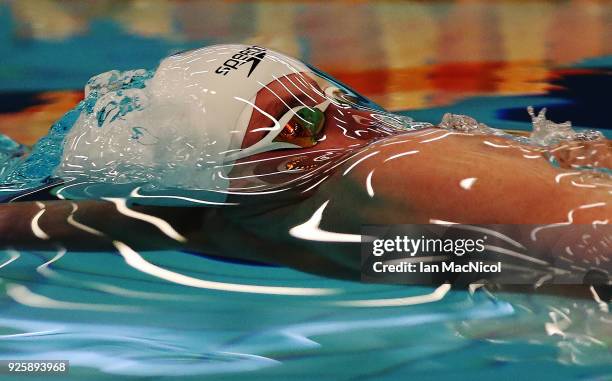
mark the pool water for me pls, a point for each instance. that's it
(108, 318)
(180, 315)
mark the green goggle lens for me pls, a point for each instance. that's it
(304, 129)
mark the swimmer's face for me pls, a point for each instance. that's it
(318, 115)
(322, 123)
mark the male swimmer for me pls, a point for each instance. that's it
(300, 163)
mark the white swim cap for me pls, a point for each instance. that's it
(221, 83)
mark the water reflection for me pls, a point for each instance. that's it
(174, 330)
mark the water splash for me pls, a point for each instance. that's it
(46, 155)
(11, 153)
(547, 133)
(559, 143)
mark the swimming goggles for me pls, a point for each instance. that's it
(300, 127)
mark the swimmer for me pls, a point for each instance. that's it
(297, 164)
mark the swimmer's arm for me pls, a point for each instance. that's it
(469, 179)
(97, 226)
(91, 225)
(462, 179)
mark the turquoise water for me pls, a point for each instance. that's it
(108, 318)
